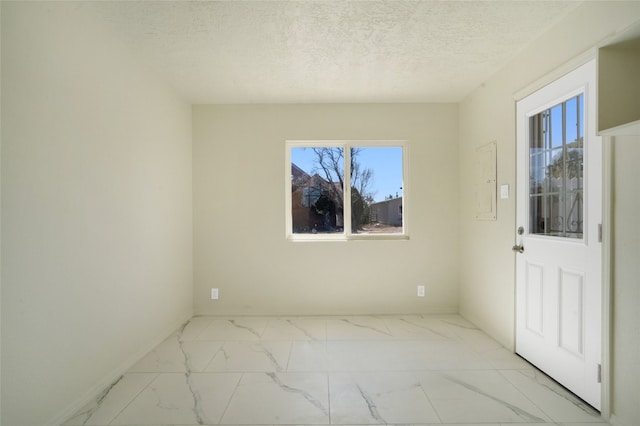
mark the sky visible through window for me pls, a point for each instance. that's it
(570, 125)
(385, 162)
(559, 132)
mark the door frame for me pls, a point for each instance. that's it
(607, 186)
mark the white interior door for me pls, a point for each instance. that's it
(558, 261)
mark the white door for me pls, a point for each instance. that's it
(558, 260)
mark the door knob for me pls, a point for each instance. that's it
(518, 248)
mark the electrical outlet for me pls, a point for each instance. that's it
(420, 291)
(214, 294)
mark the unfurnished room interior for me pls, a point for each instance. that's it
(320, 212)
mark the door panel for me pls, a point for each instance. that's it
(534, 297)
(558, 264)
(571, 307)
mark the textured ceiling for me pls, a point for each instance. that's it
(328, 51)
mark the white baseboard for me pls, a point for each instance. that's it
(91, 394)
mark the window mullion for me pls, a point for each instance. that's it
(347, 191)
(319, 209)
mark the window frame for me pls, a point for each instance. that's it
(581, 115)
(347, 234)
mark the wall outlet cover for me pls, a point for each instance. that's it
(504, 192)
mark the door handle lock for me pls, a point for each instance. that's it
(519, 248)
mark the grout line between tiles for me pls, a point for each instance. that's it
(461, 339)
(430, 402)
(329, 397)
(235, 389)
(144, 388)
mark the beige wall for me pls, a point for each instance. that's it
(239, 217)
(96, 185)
(626, 280)
(488, 113)
(96, 211)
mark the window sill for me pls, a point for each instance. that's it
(343, 238)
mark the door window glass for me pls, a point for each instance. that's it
(556, 170)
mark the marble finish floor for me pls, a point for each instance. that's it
(426, 370)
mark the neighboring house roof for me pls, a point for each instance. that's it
(301, 179)
(390, 200)
(297, 172)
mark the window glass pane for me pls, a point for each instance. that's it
(554, 217)
(572, 120)
(556, 165)
(556, 126)
(317, 176)
(574, 214)
(376, 190)
(536, 133)
(536, 216)
(537, 167)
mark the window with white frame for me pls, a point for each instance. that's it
(556, 165)
(345, 190)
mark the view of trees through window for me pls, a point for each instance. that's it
(556, 170)
(319, 175)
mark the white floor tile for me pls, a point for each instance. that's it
(357, 328)
(502, 359)
(295, 329)
(415, 327)
(234, 329)
(397, 370)
(599, 423)
(379, 398)
(389, 355)
(556, 402)
(248, 356)
(166, 357)
(194, 328)
(112, 401)
(478, 396)
(177, 356)
(181, 399)
(280, 398)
